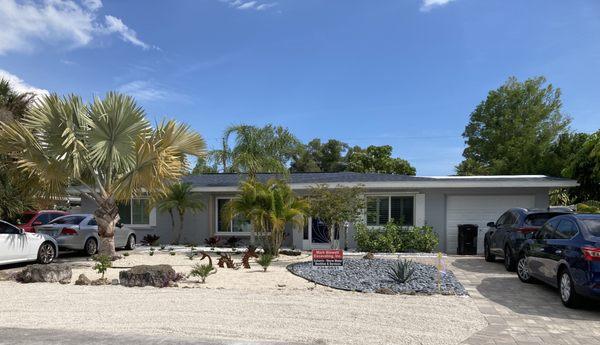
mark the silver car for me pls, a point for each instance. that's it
(80, 232)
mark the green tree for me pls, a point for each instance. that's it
(584, 166)
(512, 131)
(179, 198)
(377, 159)
(269, 207)
(204, 165)
(107, 151)
(15, 194)
(259, 149)
(321, 157)
(337, 207)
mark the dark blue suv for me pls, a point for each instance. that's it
(565, 253)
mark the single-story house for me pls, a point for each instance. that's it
(442, 202)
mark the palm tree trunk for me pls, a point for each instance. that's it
(181, 214)
(107, 216)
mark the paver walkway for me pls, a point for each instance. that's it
(520, 313)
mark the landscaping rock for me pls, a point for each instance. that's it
(83, 280)
(115, 282)
(372, 275)
(147, 275)
(100, 281)
(52, 273)
(290, 252)
(369, 256)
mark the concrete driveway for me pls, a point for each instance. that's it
(520, 313)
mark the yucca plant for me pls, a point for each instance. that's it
(401, 271)
(107, 151)
(265, 261)
(202, 271)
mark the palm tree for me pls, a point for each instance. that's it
(259, 149)
(107, 151)
(269, 207)
(180, 198)
(13, 104)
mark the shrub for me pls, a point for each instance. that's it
(151, 253)
(401, 271)
(233, 241)
(589, 207)
(394, 238)
(150, 240)
(125, 254)
(265, 261)
(212, 241)
(202, 271)
(103, 263)
(172, 253)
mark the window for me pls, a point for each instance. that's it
(383, 209)
(593, 226)
(538, 219)
(137, 211)
(238, 224)
(566, 229)
(92, 222)
(75, 220)
(43, 218)
(548, 231)
(8, 229)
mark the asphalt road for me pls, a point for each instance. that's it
(19, 336)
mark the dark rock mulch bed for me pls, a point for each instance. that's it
(365, 275)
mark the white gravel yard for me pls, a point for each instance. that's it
(239, 305)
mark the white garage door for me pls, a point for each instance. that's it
(480, 210)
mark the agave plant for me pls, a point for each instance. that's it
(401, 271)
(107, 151)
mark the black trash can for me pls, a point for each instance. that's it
(467, 239)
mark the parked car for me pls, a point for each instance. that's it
(16, 245)
(506, 236)
(565, 253)
(29, 219)
(80, 232)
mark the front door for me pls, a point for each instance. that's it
(319, 232)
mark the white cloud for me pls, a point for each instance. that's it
(429, 4)
(21, 86)
(249, 4)
(29, 24)
(144, 91)
(115, 25)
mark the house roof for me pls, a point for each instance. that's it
(229, 182)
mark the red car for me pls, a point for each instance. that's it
(30, 219)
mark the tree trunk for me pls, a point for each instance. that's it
(172, 223)
(181, 214)
(107, 216)
(332, 235)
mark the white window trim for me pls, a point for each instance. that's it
(131, 214)
(218, 226)
(389, 196)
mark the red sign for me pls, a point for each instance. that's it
(328, 258)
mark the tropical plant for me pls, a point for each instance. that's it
(212, 241)
(401, 271)
(233, 241)
(179, 198)
(151, 252)
(103, 263)
(151, 240)
(107, 151)
(265, 261)
(337, 207)
(13, 104)
(259, 149)
(202, 271)
(269, 207)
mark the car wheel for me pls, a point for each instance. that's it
(130, 242)
(509, 261)
(568, 296)
(523, 270)
(91, 247)
(489, 257)
(46, 253)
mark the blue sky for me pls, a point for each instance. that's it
(400, 72)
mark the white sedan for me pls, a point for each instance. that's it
(17, 245)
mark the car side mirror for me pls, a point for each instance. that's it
(491, 224)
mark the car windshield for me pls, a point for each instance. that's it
(593, 226)
(538, 219)
(68, 220)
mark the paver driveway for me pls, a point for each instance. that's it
(520, 313)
